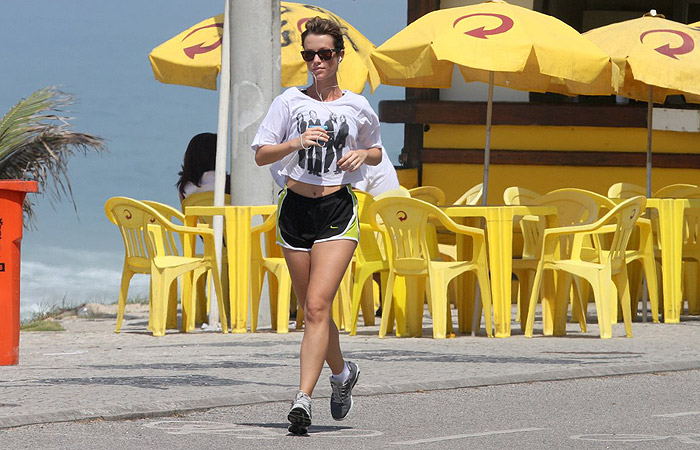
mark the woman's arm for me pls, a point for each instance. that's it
(353, 159)
(268, 154)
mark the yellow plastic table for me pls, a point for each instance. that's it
(237, 227)
(671, 212)
(499, 239)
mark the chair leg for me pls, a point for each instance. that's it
(483, 280)
(623, 294)
(127, 274)
(534, 295)
(357, 287)
(413, 307)
(160, 286)
(388, 305)
(367, 302)
(219, 290)
(284, 292)
(437, 296)
(605, 295)
(561, 305)
(257, 276)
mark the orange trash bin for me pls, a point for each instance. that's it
(12, 194)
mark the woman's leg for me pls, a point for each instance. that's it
(316, 276)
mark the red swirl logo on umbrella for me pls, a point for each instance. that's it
(482, 32)
(200, 48)
(401, 215)
(686, 47)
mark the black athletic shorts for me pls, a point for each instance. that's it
(303, 221)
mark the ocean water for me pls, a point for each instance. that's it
(98, 52)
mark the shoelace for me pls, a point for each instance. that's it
(340, 390)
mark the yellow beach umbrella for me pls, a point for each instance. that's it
(497, 43)
(193, 57)
(657, 57)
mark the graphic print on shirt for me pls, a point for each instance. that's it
(301, 127)
(319, 158)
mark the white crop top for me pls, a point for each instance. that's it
(349, 121)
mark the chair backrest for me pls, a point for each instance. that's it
(516, 195)
(132, 217)
(203, 199)
(680, 190)
(605, 204)
(430, 194)
(625, 190)
(405, 220)
(368, 247)
(167, 211)
(398, 192)
(472, 196)
(623, 216)
(573, 208)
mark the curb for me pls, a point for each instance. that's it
(144, 411)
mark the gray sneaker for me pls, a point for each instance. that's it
(300, 414)
(341, 398)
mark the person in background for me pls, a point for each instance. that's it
(317, 222)
(378, 179)
(197, 174)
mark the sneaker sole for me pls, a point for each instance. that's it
(352, 401)
(298, 418)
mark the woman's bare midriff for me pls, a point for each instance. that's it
(311, 190)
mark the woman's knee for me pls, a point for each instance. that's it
(317, 310)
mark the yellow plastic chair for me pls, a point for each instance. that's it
(471, 196)
(640, 249)
(406, 220)
(679, 190)
(573, 208)
(398, 192)
(278, 277)
(143, 246)
(431, 194)
(607, 275)
(368, 260)
(625, 190)
(166, 268)
(167, 211)
(516, 195)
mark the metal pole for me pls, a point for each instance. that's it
(221, 151)
(650, 117)
(487, 146)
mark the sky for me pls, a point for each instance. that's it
(98, 51)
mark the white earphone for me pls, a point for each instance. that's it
(340, 59)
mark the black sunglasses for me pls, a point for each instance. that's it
(325, 54)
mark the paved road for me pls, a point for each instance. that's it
(624, 412)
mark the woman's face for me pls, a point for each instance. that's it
(320, 69)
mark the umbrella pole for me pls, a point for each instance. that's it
(221, 150)
(476, 317)
(487, 145)
(650, 114)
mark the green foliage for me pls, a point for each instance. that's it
(36, 142)
(42, 325)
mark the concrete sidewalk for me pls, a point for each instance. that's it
(89, 372)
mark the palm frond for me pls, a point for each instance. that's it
(36, 142)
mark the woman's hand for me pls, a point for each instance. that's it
(352, 160)
(314, 136)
